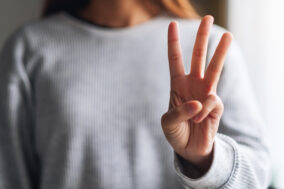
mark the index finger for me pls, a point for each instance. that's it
(174, 51)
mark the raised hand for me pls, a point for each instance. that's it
(192, 121)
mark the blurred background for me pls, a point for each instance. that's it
(259, 29)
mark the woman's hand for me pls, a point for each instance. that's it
(192, 121)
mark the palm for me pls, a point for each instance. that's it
(195, 90)
(193, 138)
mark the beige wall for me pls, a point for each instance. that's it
(14, 13)
(216, 8)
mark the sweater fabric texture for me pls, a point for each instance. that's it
(81, 107)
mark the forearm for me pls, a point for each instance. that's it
(234, 165)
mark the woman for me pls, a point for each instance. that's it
(83, 91)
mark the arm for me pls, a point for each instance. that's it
(17, 162)
(244, 156)
(237, 157)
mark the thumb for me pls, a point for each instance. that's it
(180, 113)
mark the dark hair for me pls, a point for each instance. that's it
(179, 8)
(72, 6)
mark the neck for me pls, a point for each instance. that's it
(117, 13)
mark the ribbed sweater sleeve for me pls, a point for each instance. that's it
(16, 153)
(240, 154)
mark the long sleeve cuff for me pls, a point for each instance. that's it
(220, 171)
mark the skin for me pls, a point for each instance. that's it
(192, 121)
(194, 113)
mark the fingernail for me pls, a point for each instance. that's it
(196, 119)
(190, 108)
(211, 20)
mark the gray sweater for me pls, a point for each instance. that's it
(80, 108)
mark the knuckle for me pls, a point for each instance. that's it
(198, 52)
(207, 88)
(214, 68)
(205, 110)
(202, 33)
(213, 97)
(174, 57)
(220, 51)
(216, 100)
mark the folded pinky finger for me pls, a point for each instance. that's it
(212, 105)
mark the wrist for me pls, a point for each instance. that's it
(202, 162)
(225, 157)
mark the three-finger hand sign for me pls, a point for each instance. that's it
(192, 121)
